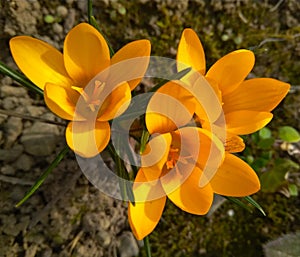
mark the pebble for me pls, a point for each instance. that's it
(10, 155)
(39, 144)
(70, 19)
(57, 28)
(24, 162)
(103, 237)
(61, 11)
(10, 103)
(35, 111)
(7, 170)
(13, 129)
(128, 246)
(6, 91)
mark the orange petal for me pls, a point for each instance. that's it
(235, 178)
(130, 63)
(190, 52)
(231, 70)
(85, 53)
(155, 156)
(260, 94)
(62, 101)
(116, 102)
(246, 122)
(39, 61)
(171, 107)
(87, 138)
(208, 98)
(234, 144)
(189, 196)
(144, 216)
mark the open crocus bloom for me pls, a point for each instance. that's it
(246, 104)
(174, 162)
(83, 85)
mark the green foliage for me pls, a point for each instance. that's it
(289, 134)
(262, 154)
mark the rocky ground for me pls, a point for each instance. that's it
(67, 216)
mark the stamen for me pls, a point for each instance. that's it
(92, 100)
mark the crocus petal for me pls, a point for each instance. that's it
(234, 144)
(62, 101)
(246, 122)
(231, 70)
(189, 196)
(85, 53)
(190, 52)
(130, 63)
(39, 61)
(155, 156)
(145, 214)
(87, 138)
(208, 98)
(235, 178)
(171, 107)
(259, 94)
(116, 102)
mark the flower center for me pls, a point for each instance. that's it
(174, 157)
(92, 95)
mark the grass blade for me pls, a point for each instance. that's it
(42, 178)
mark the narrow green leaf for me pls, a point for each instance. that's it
(238, 202)
(144, 140)
(147, 246)
(176, 76)
(42, 178)
(4, 69)
(289, 134)
(250, 200)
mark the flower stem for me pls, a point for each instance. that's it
(42, 178)
(147, 246)
(4, 69)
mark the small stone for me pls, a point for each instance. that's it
(70, 19)
(10, 155)
(24, 162)
(39, 144)
(128, 246)
(13, 129)
(35, 111)
(31, 250)
(10, 103)
(7, 170)
(57, 28)
(104, 237)
(62, 11)
(12, 91)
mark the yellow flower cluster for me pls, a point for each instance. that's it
(195, 123)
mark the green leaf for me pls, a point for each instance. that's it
(266, 143)
(42, 178)
(293, 190)
(250, 200)
(176, 76)
(289, 134)
(238, 202)
(265, 133)
(4, 69)
(271, 180)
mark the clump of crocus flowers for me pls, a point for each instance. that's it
(193, 124)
